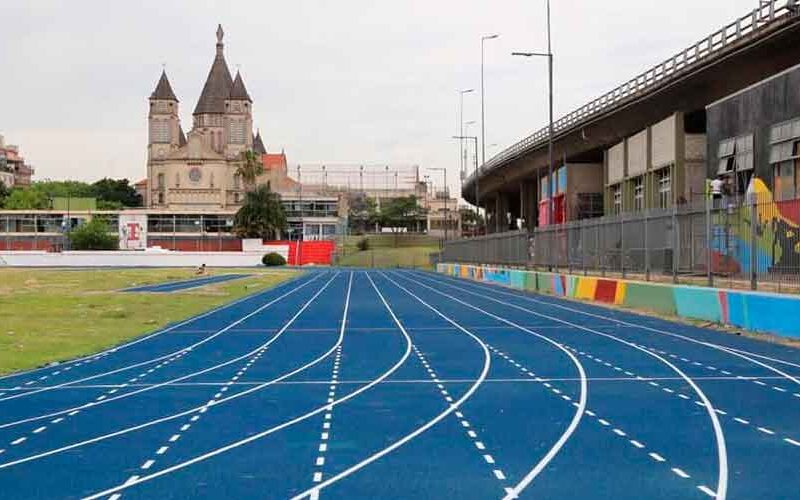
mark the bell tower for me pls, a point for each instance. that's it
(164, 131)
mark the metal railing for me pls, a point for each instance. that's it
(761, 19)
(509, 249)
(755, 246)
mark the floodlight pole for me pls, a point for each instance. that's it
(483, 122)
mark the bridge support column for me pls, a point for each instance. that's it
(527, 200)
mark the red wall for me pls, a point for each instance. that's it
(310, 252)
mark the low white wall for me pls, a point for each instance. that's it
(137, 258)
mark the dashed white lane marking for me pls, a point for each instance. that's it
(680, 473)
(754, 380)
(740, 420)
(470, 429)
(186, 426)
(102, 397)
(319, 462)
(658, 458)
(708, 491)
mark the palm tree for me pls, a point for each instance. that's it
(261, 215)
(250, 167)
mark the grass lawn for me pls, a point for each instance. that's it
(53, 315)
(390, 257)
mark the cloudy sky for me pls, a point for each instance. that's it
(350, 81)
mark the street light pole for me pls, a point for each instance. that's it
(446, 196)
(472, 138)
(461, 125)
(550, 129)
(483, 122)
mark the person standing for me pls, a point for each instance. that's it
(717, 186)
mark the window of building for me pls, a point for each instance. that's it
(783, 156)
(161, 198)
(638, 194)
(177, 179)
(786, 180)
(616, 196)
(736, 161)
(664, 179)
(237, 133)
(236, 182)
(159, 132)
(160, 181)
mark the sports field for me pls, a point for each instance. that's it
(408, 385)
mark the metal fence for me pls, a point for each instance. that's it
(733, 245)
(504, 248)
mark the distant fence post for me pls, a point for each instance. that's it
(646, 245)
(676, 244)
(569, 244)
(753, 245)
(709, 241)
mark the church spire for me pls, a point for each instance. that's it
(238, 91)
(220, 45)
(218, 84)
(163, 89)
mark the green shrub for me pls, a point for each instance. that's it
(273, 259)
(94, 235)
(362, 245)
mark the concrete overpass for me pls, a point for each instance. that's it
(748, 50)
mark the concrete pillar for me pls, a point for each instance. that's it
(498, 211)
(527, 196)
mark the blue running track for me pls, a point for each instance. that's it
(174, 286)
(408, 385)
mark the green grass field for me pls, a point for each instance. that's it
(418, 257)
(54, 315)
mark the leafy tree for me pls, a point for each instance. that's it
(116, 191)
(261, 215)
(63, 189)
(4, 193)
(26, 199)
(404, 212)
(363, 212)
(93, 235)
(249, 168)
(469, 218)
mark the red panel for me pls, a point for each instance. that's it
(606, 291)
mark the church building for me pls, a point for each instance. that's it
(197, 171)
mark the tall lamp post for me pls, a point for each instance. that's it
(475, 140)
(483, 121)
(446, 196)
(549, 56)
(461, 124)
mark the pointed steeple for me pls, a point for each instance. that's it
(163, 89)
(258, 144)
(218, 84)
(181, 137)
(238, 91)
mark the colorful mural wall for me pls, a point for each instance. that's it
(754, 311)
(772, 243)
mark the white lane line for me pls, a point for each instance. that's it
(179, 379)
(156, 334)
(537, 469)
(319, 463)
(708, 491)
(680, 473)
(277, 428)
(792, 441)
(488, 458)
(722, 454)
(658, 458)
(637, 444)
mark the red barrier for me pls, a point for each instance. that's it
(308, 252)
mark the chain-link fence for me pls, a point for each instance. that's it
(737, 246)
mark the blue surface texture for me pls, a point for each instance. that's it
(409, 385)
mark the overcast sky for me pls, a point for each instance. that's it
(350, 81)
